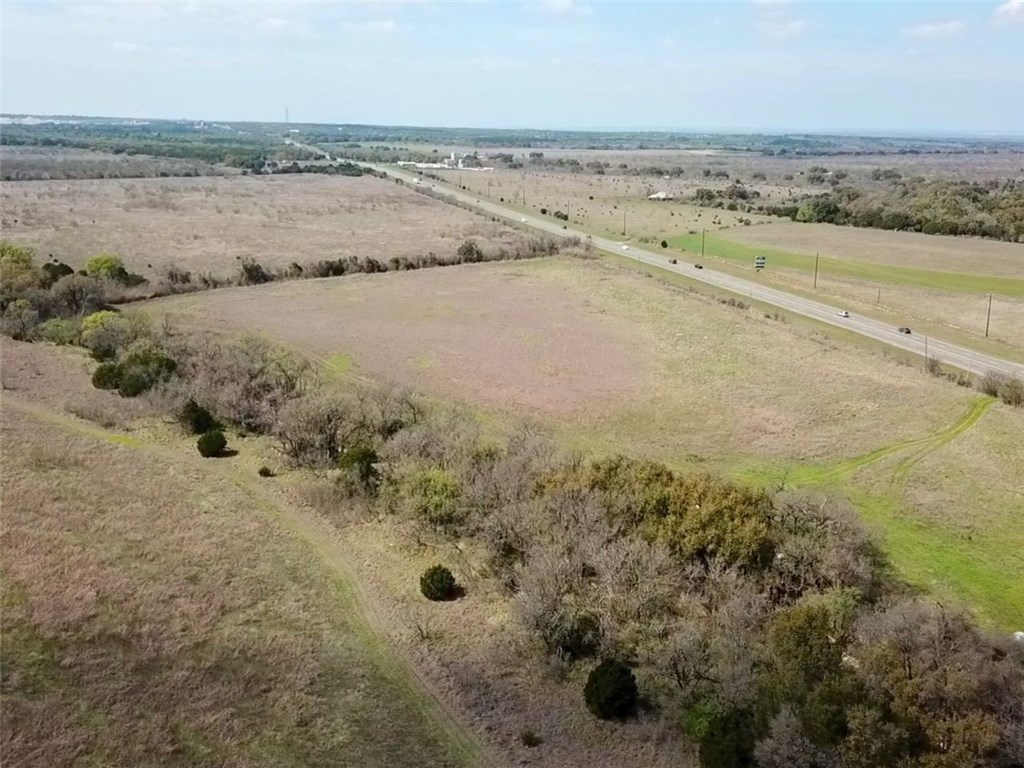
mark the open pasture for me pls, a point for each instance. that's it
(627, 362)
(969, 256)
(972, 166)
(613, 361)
(21, 163)
(944, 300)
(603, 204)
(935, 283)
(209, 224)
(159, 611)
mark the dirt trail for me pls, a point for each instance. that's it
(323, 541)
(919, 447)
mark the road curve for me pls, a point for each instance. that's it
(948, 353)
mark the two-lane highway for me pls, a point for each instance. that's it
(951, 354)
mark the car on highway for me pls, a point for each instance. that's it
(673, 261)
(625, 247)
(843, 313)
(903, 329)
(523, 220)
(698, 266)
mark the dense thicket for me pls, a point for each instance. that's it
(994, 209)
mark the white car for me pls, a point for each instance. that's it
(625, 247)
(843, 313)
(523, 220)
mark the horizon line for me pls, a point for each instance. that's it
(872, 133)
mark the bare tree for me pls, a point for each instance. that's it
(313, 430)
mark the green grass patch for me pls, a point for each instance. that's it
(953, 282)
(338, 366)
(979, 569)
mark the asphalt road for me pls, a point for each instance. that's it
(950, 354)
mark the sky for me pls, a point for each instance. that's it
(752, 65)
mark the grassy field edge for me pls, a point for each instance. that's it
(317, 536)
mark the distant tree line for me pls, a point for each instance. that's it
(994, 209)
(48, 301)
(237, 152)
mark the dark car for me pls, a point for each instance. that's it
(698, 266)
(904, 329)
(673, 261)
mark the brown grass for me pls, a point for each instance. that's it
(154, 614)
(208, 224)
(960, 317)
(616, 360)
(479, 649)
(613, 196)
(59, 378)
(187, 600)
(44, 163)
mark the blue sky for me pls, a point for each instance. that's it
(768, 65)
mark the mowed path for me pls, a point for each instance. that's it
(919, 447)
(415, 691)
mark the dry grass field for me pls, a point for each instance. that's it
(936, 284)
(625, 361)
(614, 361)
(208, 224)
(973, 166)
(205, 586)
(159, 609)
(43, 163)
(613, 195)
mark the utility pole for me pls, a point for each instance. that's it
(988, 318)
(624, 227)
(702, 242)
(926, 353)
(816, 254)
(878, 299)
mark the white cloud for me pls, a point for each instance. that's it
(775, 19)
(784, 30)
(942, 30)
(1008, 12)
(559, 7)
(376, 27)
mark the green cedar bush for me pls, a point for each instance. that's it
(211, 443)
(107, 376)
(438, 583)
(195, 418)
(611, 691)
